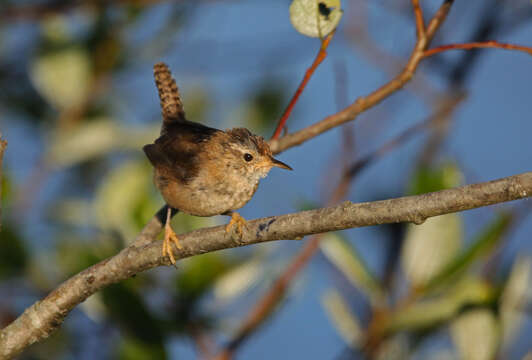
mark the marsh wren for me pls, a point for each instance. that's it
(203, 171)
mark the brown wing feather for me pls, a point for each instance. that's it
(176, 151)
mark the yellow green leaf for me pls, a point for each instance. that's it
(476, 334)
(62, 77)
(429, 247)
(315, 18)
(346, 258)
(343, 319)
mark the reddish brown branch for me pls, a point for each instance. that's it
(477, 45)
(376, 97)
(418, 13)
(322, 54)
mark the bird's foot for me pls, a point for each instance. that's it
(169, 238)
(240, 223)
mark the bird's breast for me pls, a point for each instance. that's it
(208, 195)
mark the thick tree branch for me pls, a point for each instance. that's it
(45, 316)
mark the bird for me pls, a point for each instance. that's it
(200, 170)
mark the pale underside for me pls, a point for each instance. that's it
(212, 192)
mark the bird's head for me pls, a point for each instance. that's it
(251, 153)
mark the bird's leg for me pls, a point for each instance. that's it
(237, 220)
(169, 238)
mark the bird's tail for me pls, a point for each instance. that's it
(171, 105)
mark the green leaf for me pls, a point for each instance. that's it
(428, 313)
(429, 247)
(238, 280)
(344, 320)
(96, 137)
(346, 258)
(434, 179)
(199, 273)
(13, 253)
(125, 306)
(515, 297)
(133, 349)
(71, 211)
(484, 243)
(395, 347)
(121, 192)
(74, 256)
(476, 334)
(62, 77)
(265, 106)
(315, 18)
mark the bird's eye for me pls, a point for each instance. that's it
(248, 157)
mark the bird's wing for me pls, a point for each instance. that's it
(176, 151)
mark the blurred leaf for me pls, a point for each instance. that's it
(517, 295)
(62, 77)
(344, 320)
(94, 307)
(305, 204)
(346, 258)
(73, 256)
(133, 349)
(197, 103)
(70, 211)
(315, 18)
(6, 192)
(484, 242)
(476, 334)
(120, 194)
(195, 279)
(394, 348)
(265, 106)
(430, 246)
(55, 29)
(125, 306)
(13, 253)
(91, 139)
(200, 272)
(95, 138)
(427, 313)
(434, 179)
(238, 280)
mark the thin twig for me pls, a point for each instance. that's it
(322, 54)
(420, 25)
(477, 45)
(369, 101)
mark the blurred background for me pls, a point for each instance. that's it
(78, 102)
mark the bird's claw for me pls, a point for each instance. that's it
(240, 223)
(169, 238)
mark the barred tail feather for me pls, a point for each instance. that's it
(171, 105)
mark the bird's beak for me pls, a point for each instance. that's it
(279, 164)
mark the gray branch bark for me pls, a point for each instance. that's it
(45, 316)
